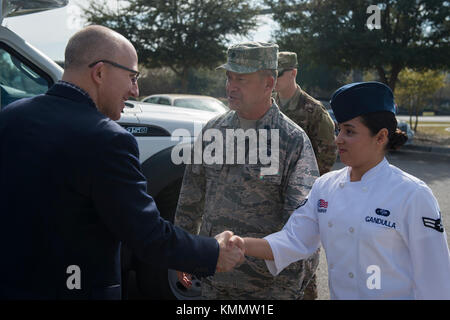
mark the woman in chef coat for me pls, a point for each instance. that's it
(380, 227)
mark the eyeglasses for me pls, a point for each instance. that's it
(282, 72)
(136, 73)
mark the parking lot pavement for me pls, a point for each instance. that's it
(431, 149)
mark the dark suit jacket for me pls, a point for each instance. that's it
(71, 190)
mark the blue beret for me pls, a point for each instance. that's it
(360, 98)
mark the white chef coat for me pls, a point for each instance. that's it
(382, 236)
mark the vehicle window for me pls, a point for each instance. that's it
(217, 105)
(151, 100)
(200, 104)
(164, 101)
(18, 79)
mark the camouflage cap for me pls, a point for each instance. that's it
(249, 57)
(287, 60)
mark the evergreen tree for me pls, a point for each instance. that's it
(413, 34)
(179, 34)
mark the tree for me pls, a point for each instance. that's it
(413, 34)
(416, 88)
(200, 81)
(157, 80)
(179, 34)
(320, 81)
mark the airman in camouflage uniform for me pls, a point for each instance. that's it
(306, 111)
(221, 196)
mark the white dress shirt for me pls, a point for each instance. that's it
(382, 236)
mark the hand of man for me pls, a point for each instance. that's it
(238, 242)
(229, 245)
(229, 256)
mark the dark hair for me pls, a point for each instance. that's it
(376, 121)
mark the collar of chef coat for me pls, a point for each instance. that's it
(369, 175)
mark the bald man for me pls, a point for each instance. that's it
(71, 186)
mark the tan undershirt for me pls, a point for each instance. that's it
(247, 124)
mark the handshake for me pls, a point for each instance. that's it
(231, 254)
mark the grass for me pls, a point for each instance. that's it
(432, 136)
(432, 133)
(440, 131)
(434, 128)
(430, 123)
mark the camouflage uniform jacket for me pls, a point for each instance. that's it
(309, 114)
(218, 197)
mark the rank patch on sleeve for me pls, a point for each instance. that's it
(435, 224)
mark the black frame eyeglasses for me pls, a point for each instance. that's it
(114, 64)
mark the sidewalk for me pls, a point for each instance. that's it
(431, 149)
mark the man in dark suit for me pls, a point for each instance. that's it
(71, 186)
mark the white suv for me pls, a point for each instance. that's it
(25, 72)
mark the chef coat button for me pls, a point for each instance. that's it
(341, 184)
(364, 189)
(351, 229)
(350, 274)
(330, 224)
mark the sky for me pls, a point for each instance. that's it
(49, 31)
